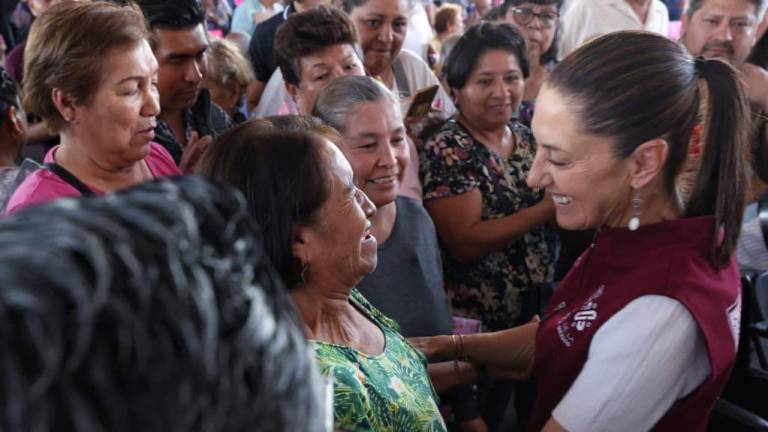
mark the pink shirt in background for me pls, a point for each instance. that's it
(43, 185)
(674, 31)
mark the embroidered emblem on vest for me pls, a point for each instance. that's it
(582, 319)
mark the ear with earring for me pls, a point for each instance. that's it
(637, 203)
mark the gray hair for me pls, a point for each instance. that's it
(342, 97)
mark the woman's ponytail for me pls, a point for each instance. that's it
(720, 186)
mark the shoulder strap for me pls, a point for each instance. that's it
(69, 178)
(401, 79)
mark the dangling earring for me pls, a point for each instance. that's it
(302, 276)
(634, 223)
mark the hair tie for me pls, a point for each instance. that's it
(699, 63)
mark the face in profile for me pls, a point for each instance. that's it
(340, 242)
(724, 29)
(588, 183)
(382, 26)
(374, 141)
(537, 23)
(319, 69)
(117, 124)
(493, 90)
(136, 321)
(181, 55)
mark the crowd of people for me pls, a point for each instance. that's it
(377, 215)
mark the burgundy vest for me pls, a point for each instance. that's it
(669, 259)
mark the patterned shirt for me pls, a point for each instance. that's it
(490, 288)
(384, 393)
(7, 180)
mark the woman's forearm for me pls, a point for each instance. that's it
(510, 349)
(447, 376)
(507, 352)
(471, 242)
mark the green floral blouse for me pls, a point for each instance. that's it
(492, 288)
(388, 392)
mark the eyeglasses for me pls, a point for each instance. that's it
(524, 16)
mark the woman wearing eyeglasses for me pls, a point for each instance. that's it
(537, 21)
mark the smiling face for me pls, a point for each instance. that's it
(374, 142)
(589, 184)
(538, 37)
(339, 245)
(724, 29)
(382, 26)
(493, 90)
(317, 70)
(181, 55)
(116, 125)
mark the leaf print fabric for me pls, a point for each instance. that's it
(492, 288)
(390, 392)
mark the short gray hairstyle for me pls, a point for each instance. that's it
(345, 94)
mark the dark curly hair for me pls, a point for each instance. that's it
(152, 309)
(9, 93)
(309, 32)
(475, 42)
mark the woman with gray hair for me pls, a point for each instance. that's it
(407, 284)
(368, 117)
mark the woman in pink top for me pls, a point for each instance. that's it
(91, 74)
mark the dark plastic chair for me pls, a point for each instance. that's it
(759, 326)
(742, 405)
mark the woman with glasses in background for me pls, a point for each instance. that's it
(537, 21)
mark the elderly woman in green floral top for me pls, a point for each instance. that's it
(316, 225)
(491, 224)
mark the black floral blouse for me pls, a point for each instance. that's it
(492, 288)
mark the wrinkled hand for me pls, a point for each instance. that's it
(755, 81)
(195, 148)
(436, 348)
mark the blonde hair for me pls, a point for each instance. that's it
(227, 66)
(445, 15)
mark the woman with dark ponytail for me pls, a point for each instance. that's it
(647, 145)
